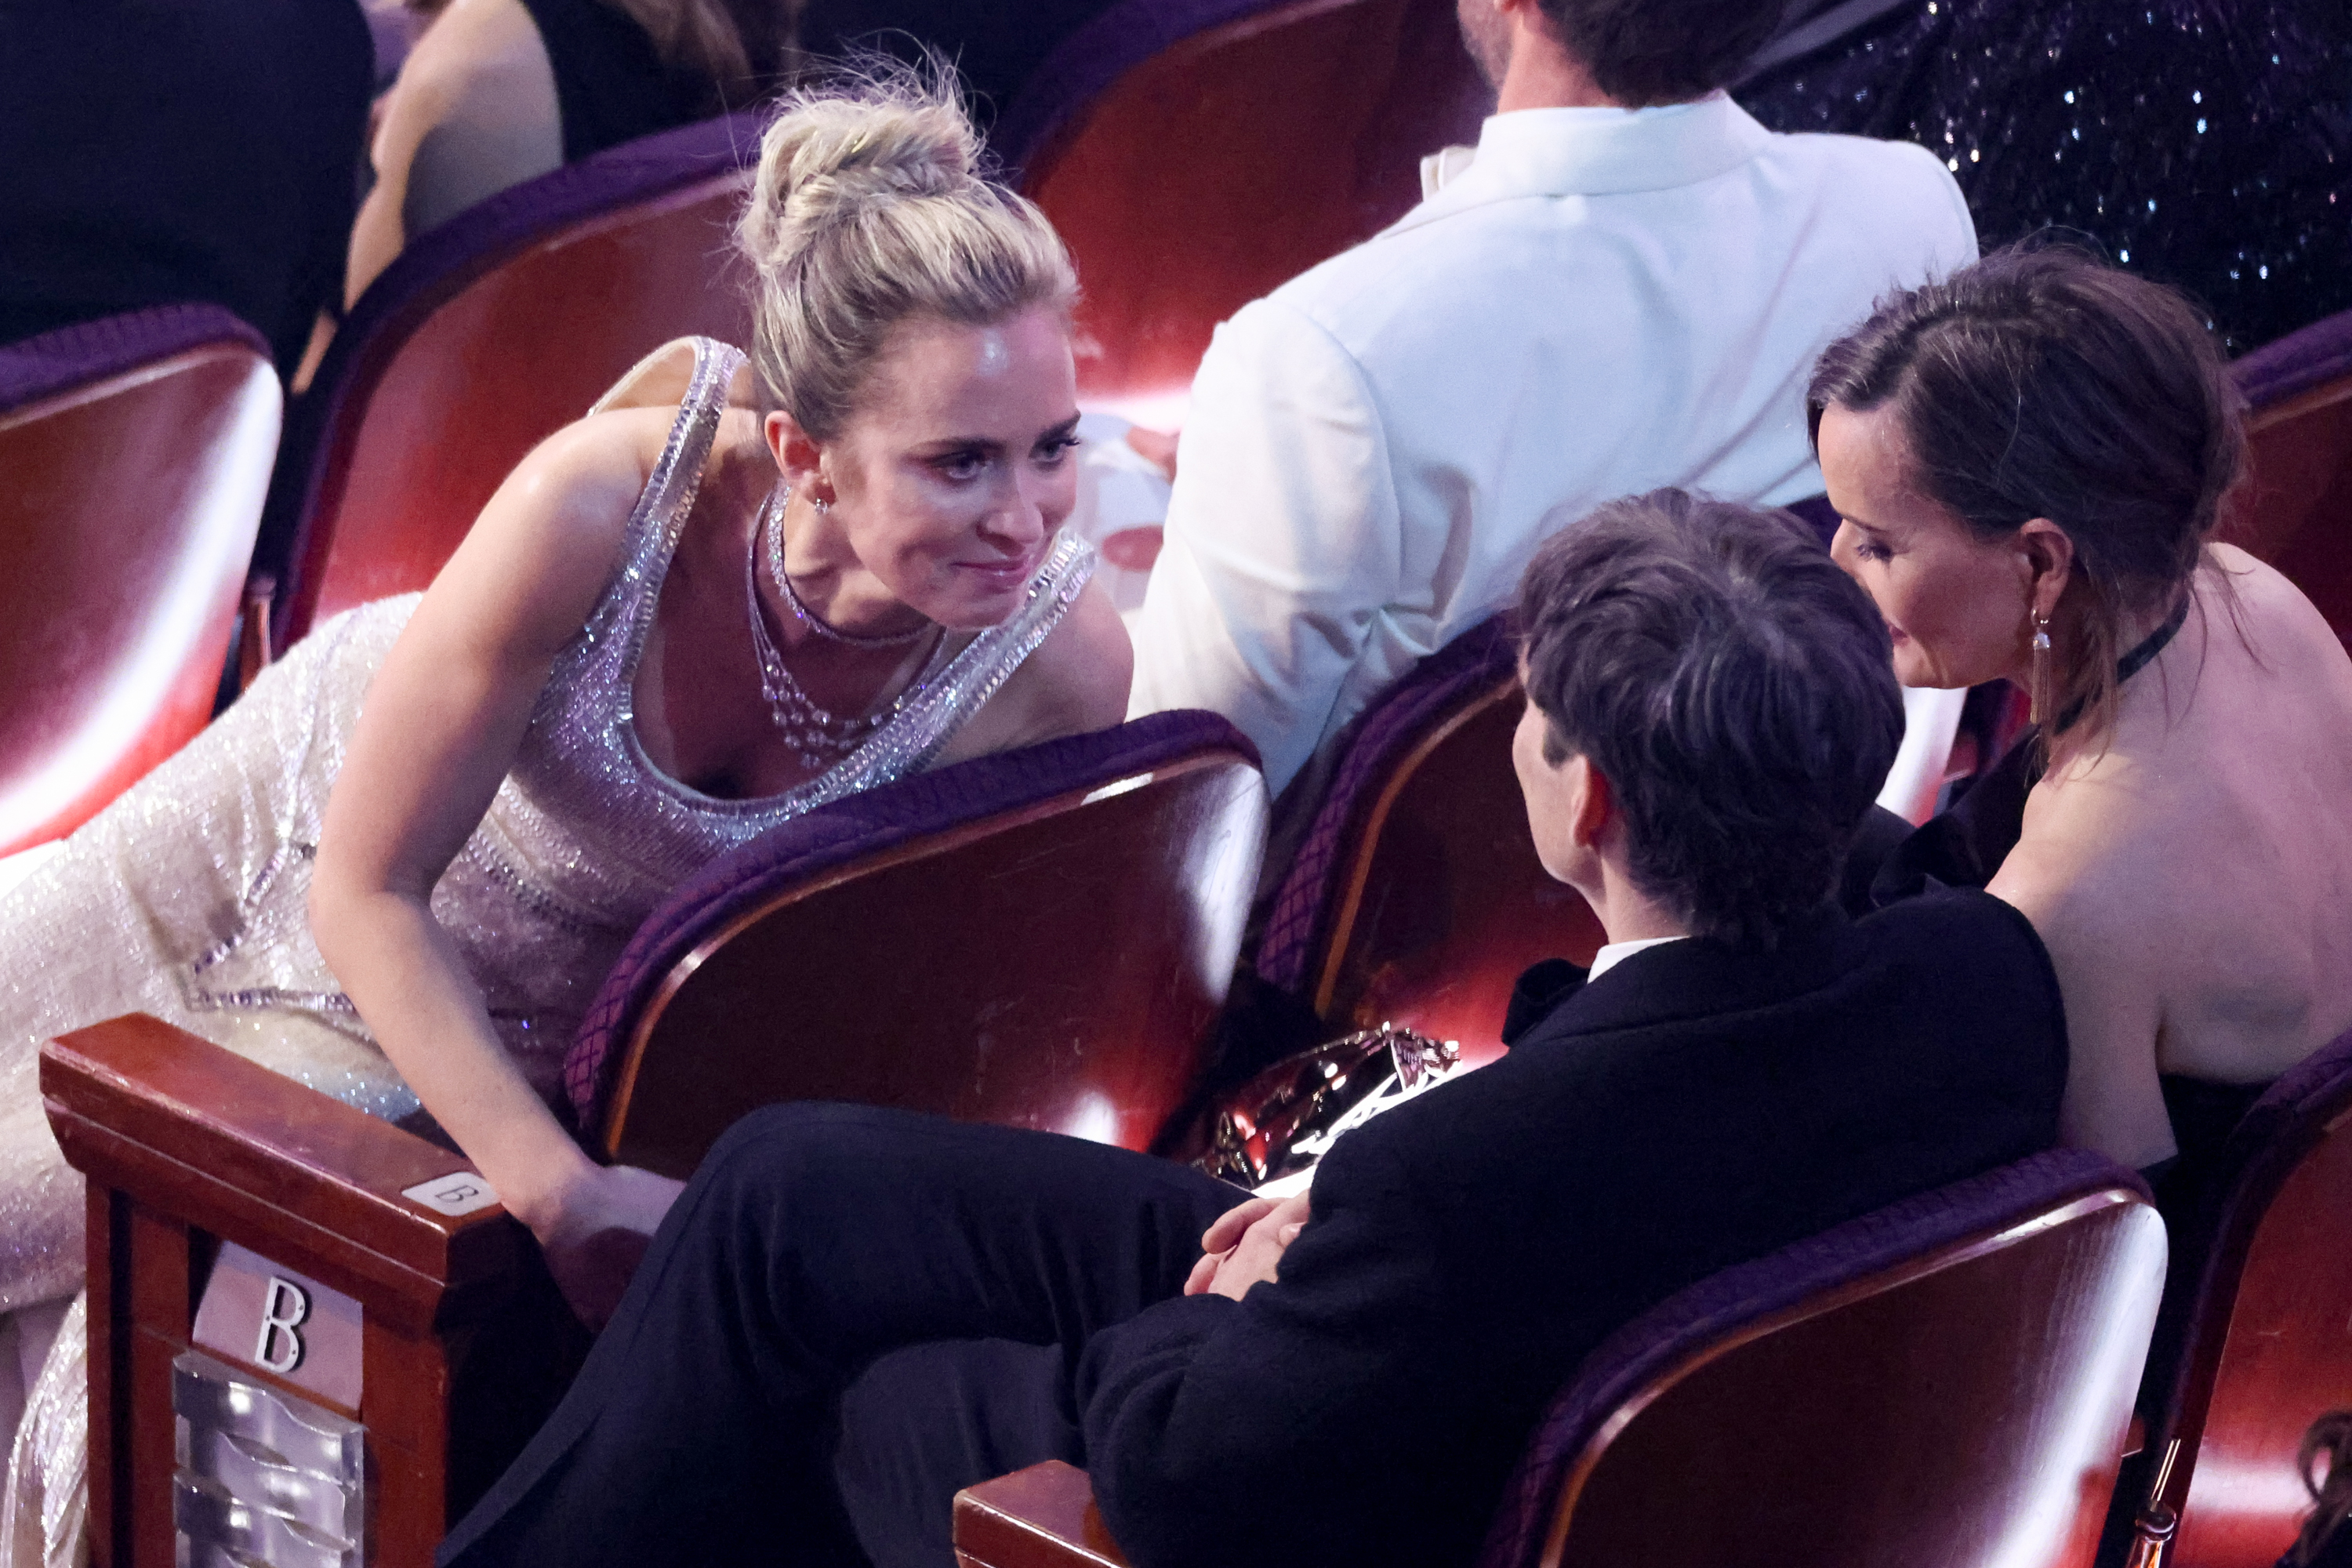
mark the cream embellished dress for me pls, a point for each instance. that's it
(186, 899)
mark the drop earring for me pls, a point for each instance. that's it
(2038, 689)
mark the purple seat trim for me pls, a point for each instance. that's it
(61, 359)
(851, 829)
(1385, 732)
(442, 261)
(2313, 356)
(1725, 1302)
(1083, 67)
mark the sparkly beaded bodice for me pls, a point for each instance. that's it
(584, 787)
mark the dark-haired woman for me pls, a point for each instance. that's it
(2029, 459)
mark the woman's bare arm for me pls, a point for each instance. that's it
(474, 111)
(2106, 947)
(440, 728)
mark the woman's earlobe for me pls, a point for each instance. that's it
(2049, 561)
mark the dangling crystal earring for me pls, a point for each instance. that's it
(2039, 687)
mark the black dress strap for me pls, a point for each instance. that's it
(1964, 846)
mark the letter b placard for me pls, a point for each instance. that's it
(282, 1322)
(285, 1308)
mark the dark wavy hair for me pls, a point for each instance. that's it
(1646, 52)
(1734, 687)
(2043, 383)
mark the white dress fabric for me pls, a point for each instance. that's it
(1598, 303)
(186, 899)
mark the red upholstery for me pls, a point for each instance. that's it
(1040, 939)
(2295, 509)
(486, 336)
(1416, 897)
(1944, 1384)
(1224, 166)
(2265, 1346)
(133, 455)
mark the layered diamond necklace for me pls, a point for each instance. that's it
(816, 735)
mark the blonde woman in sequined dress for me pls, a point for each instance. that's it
(399, 867)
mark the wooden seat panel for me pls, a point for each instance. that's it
(1060, 970)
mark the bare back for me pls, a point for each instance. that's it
(2193, 882)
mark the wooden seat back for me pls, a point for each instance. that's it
(1054, 963)
(1945, 1383)
(1417, 897)
(1196, 154)
(2265, 1348)
(1962, 1408)
(2294, 508)
(135, 452)
(484, 337)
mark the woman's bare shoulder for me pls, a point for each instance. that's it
(1075, 681)
(2265, 603)
(1084, 669)
(662, 379)
(550, 537)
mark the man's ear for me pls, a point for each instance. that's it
(2046, 556)
(799, 457)
(1592, 803)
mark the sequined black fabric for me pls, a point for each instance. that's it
(2207, 143)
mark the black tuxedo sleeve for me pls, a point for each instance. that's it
(1270, 1429)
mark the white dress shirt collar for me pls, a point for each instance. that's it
(1590, 153)
(1613, 953)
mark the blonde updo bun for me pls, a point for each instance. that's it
(870, 206)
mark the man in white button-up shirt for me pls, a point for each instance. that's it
(1602, 300)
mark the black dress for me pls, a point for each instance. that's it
(2206, 144)
(155, 152)
(610, 85)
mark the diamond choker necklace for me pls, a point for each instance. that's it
(819, 738)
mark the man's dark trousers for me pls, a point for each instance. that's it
(921, 1278)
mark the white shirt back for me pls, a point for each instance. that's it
(1604, 301)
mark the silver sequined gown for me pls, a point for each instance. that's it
(185, 898)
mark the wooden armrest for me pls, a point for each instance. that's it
(1043, 1517)
(236, 1150)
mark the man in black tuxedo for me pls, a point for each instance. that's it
(852, 1312)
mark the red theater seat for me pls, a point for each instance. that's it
(1198, 154)
(1416, 897)
(484, 337)
(2261, 1305)
(2295, 509)
(133, 455)
(1944, 1384)
(1040, 937)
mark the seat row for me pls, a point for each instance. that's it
(1042, 938)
